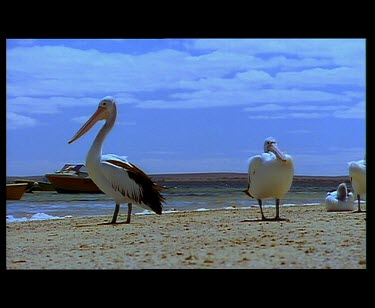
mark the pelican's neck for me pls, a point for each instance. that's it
(95, 151)
(342, 193)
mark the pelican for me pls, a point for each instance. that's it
(113, 174)
(357, 174)
(340, 199)
(270, 175)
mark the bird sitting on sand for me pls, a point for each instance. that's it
(357, 174)
(340, 200)
(113, 174)
(270, 175)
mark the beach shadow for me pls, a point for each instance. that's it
(80, 226)
(114, 224)
(104, 224)
(267, 220)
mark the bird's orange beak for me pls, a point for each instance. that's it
(100, 114)
(273, 148)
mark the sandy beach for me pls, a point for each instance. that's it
(311, 238)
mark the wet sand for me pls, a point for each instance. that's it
(311, 238)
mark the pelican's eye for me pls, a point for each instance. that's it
(104, 104)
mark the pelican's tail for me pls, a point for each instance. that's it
(152, 197)
(246, 191)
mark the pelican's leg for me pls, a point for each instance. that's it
(129, 213)
(261, 210)
(115, 213)
(277, 217)
(359, 205)
(114, 218)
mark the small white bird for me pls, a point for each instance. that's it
(340, 200)
(357, 174)
(270, 175)
(113, 174)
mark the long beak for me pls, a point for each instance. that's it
(97, 116)
(273, 148)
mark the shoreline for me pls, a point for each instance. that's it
(214, 239)
(213, 177)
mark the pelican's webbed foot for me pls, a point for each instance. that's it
(359, 211)
(114, 223)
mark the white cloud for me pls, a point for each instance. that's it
(267, 107)
(339, 51)
(42, 70)
(308, 115)
(211, 98)
(312, 107)
(15, 121)
(319, 77)
(273, 111)
(48, 105)
(296, 115)
(267, 117)
(358, 111)
(33, 105)
(231, 72)
(354, 95)
(255, 78)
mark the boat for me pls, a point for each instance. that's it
(44, 186)
(34, 185)
(15, 191)
(31, 184)
(73, 179)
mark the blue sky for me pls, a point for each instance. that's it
(187, 105)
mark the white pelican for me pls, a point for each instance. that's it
(114, 175)
(270, 175)
(357, 174)
(340, 199)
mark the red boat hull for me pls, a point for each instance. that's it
(16, 191)
(73, 185)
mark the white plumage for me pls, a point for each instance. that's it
(340, 200)
(270, 175)
(357, 174)
(114, 174)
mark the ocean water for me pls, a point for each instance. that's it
(181, 196)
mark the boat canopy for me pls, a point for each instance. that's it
(74, 167)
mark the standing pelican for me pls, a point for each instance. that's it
(357, 174)
(114, 175)
(270, 175)
(340, 199)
